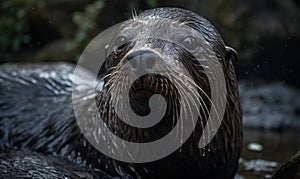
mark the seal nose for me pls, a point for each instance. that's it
(142, 61)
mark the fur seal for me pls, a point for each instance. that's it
(290, 169)
(36, 112)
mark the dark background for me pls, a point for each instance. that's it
(265, 33)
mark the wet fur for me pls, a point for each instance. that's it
(36, 115)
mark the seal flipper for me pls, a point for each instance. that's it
(29, 164)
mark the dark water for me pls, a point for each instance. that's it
(277, 147)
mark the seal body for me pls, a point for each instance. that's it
(36, 111)
(291, 169)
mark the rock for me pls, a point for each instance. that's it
(269, 106)
(256, 147)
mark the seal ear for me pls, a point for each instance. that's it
(231, 54)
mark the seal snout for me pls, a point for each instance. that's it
(142, 61)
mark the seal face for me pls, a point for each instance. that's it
(166, 40)
(172, 40)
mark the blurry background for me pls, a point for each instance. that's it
(265, 33)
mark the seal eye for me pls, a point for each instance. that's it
(189, 42)
(121, 40)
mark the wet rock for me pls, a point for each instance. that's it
(258, 167)
(256, 147)
(269, 105)
(237, 176)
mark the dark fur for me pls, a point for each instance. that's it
(38, 117)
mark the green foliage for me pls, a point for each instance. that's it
(14, 23)
(152, 3)
(86, 23)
